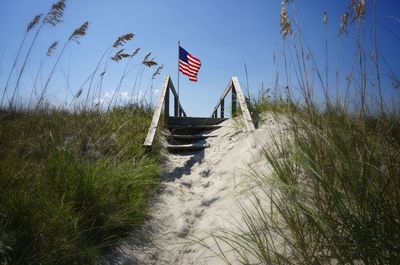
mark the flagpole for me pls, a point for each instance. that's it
(179, 44)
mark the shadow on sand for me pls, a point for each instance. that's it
(186, 169)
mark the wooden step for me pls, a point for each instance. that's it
(187, 147)
(189, 136)
(194, 121)
(195, 127)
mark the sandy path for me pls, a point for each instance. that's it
(199, 195)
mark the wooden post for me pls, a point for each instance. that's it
(234, 101)
(176, 106)
(166, 105)
(157, 113)
(222, 108)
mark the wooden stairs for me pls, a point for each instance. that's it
(190, 134)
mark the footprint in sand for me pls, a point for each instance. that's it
(206, 185)
(208, 202)
(185, 225)
(186, 184)
(205, 173)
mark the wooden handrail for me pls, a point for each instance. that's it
(237, 94)
(163, 100)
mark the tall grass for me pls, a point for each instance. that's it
(73, 180)
(332, 196)
(72, 183)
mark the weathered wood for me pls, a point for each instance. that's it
(176, 106)
(190, 136)
(156, 115)
(226, 91)
(222, 108)
(243, 105)
(187, 147)
(179, 112)
(195, 127)
(166, 104)
(234, 102)
(237, 95)
(194, 120)
(163, 100)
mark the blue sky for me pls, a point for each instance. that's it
(223, 34)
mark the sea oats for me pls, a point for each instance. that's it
(120, 55)
(121, 40)
(343, 24)
(147, 57)
(150, 63)
(135, 52)
(55, 14)
(51, 48)
(79, 32)
(157, 72)
(34, 22)
(286, 27)
(77, 95)
(358, 9)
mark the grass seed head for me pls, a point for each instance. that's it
(147, 57)
(150, 63)
(34, 22)
(52, 48)
(135, 52)
(79, 32)
(56, 13)
(157, 72)
(77, 95)
(357, 9)
(343, 24)
(286, 27)
(120, 55)
(121, 40)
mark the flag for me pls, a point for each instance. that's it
(188, 65)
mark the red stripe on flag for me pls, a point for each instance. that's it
(187, 72)
(194, 59)
(191, 68)
(187, 67)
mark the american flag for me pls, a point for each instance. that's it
(188, 65)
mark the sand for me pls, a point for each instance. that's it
(199, 195)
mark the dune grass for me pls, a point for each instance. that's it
(72, 183)
(75, 178)
(332, 196)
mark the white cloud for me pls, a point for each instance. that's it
(108, 95)
(124, 95)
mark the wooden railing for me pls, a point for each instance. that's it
(163, 100)
(237, 95)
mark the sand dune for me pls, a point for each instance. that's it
(199, 195)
